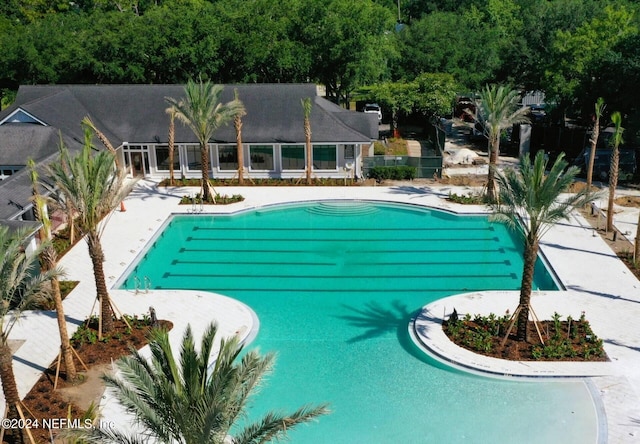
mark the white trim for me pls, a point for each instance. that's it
(21, 111)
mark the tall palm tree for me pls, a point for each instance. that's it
(88, 123)
(94, 188)
(202, 111)
(20, 284)
(184, 400)
(498, 109)
(615, 142)
(171, 143)
(530, 203)
(237, 123)
(593, 140)
(306, 108)
(49, 261)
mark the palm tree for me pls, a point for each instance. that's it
(88, 123)
(171, 142)
(185, 400)
(20, 284)
(529, 203)
(498, 109)
(92, 186)
(237, 123)
(49, 261)
(306, 108)
(202, 111)
(615, 142)
(593, 140)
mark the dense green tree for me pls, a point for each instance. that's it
(396, 96)
(576, 54)
(434, 94)
(350, 44)
(181, 399)
(530, 205)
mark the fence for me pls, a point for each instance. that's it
(426, 167)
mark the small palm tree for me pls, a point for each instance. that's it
(498, 109)
(593, 140)
(306, 108)
(171, 142)
(202, 111)
(20, 284)
(529, 203)
(49, 261)
(93, 188)
(185, 400)
(615, 142)
(237, 123)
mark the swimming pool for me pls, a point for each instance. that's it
(335, 284)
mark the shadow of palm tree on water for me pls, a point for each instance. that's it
(377, 320)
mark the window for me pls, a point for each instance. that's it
(293, 157)
(261, 157)
(194, 158)
(349, 151)
(228, 157)
(324, 157)
(162, 158)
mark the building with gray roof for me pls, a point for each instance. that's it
(134, 119)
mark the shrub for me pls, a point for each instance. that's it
(399, 172)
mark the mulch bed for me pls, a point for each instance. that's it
(43, 402)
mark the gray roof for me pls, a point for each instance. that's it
(18, 141)
(136, 113)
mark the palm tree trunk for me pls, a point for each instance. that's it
(593, 141)
(494, 146)
(9, 386)
(636, 244)
(97, 258)
(613, 183)
(530, 256)
(238, 125)
(65, 344)
(172, 137)
(204, 151)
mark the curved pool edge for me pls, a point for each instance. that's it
(425, 330)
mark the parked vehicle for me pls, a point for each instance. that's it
(374, 108)
(464, 108)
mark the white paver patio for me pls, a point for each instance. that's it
(597, 282)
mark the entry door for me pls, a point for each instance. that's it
(137, 167)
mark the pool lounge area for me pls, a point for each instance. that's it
(610, 299)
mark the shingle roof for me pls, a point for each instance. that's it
(136, 113)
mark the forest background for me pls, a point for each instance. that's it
(573, 50)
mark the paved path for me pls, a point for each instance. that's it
(583, 262)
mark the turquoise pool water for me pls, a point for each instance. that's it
(335, 285)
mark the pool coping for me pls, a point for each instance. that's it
(611, 299)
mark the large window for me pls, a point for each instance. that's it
(194, 158)
(324, 157)
(293, 157)
(228, 157)
(261, 157)
(162, 158)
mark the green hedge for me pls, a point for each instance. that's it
(399, 172)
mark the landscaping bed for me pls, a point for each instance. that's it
(71, 401)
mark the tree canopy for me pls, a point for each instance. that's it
(573, 50)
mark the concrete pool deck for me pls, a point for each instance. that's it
(596, 282)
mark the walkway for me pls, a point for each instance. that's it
(590, 271)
